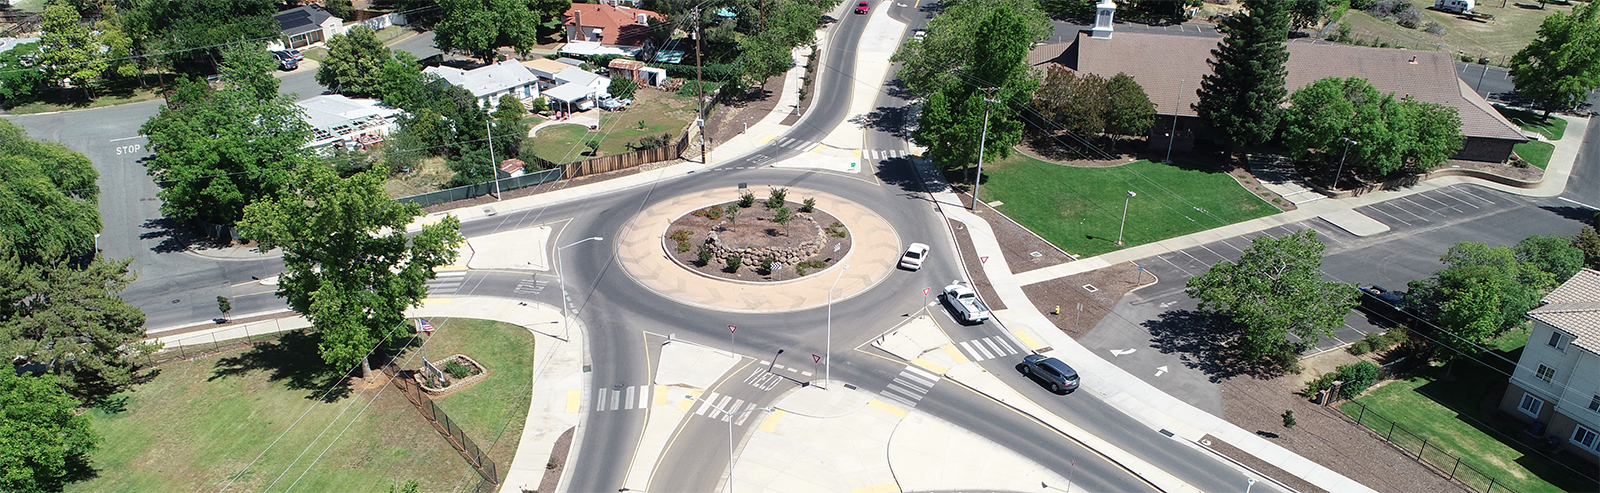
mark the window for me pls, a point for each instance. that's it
(1546, 373)
(1530, 405)
(1594, 404)
(1558, 341)
(1583, 436)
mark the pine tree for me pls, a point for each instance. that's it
(1239, 100)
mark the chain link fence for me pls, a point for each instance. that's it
(1417, 446)
(486, 467)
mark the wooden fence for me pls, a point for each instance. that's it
(607, 164)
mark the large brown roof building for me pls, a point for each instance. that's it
(1170, 67)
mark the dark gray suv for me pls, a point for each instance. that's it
(1053, 373)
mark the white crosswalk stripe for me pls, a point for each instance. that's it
(910, 386)
(987, 348)
(530, 286)
(446, 282)
(627, 398)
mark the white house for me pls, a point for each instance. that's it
(304, 27)
(354, 123)
(1556, 386)
(490, 82)
(579, 89)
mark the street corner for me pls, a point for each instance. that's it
(824, 158)
(793, 451)
(519, 249)
(928, 453)
(692, 365)
(821, 401)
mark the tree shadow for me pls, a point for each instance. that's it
(889, 120)
(293, 359)
(175, 237)
(1205, 342)
(1583, 215)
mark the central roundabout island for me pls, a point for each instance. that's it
(768, 240)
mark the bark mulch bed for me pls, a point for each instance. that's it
(730, 117)
(1068, 293)
(754, 227)
(557, 464)
(980, 282)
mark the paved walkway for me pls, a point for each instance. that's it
(874, 250)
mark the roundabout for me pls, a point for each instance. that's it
(643, 243)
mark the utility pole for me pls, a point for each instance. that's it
(987, 94)
(699, 85)
(494, 168)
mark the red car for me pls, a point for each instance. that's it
(861, 8)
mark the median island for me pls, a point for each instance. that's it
(750, 240)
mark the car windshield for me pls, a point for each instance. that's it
(965, 296)
(913, 254)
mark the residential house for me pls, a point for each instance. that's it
(579, 90)
(511, 168)
(1169, 65)
(545, 69)
(305, 27)
(608, 29)
(637, 72)
(490, 82)
(352, 123)
(1556, 386)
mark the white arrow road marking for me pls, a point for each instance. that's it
(1169, 303)
(1161, 369)
(1120, 352)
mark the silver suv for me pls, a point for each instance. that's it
(1054, 373)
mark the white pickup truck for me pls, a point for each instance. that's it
(966, 303)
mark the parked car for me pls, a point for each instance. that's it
(1055, 374)
(965, 303)
(861, 8)
(912, 259)
(296, 54)
(919, 34)
(285, 61)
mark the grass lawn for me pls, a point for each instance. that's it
(429, 176)
(660, 111)
(1447, 413)
(202, 421)
(1535, 153)
(1080, 209)
(1552, 128)
(119, 97)
(1513, 27)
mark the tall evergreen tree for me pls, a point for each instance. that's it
(1562, 64)
(1239, 100)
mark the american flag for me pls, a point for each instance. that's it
(424, 326)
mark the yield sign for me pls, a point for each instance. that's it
(925, 291)
(815, 357)
(732, 329)
(983, 260)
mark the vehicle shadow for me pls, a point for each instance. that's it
(1205, 342)
(294, 360)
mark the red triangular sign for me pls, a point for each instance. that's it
(732, 329)
(983, 260)
(814, 356)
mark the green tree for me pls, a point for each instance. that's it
(1482, 292)
(481, 26)
(1562, 64)
(356, 63)
(403, 84)
(69, 50)
(181, 30)
(47, 443)
(1387, 136)
(339, 8)
(224, 306)
(48, 198)
(248, 67)
(1078, 103)
(949, 49)
(1588, 242)
(19, 73)
(1274, 290)
(1239, 100)
(509, 131)
(1308, 13)
(1131, 112)
(1553, 255)
(216, 152)
(351, 268)
(73, 320)
(118, 51)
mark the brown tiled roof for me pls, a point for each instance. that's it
(512, 165)
(1575, 307)
(1170, 67)
(619, 26)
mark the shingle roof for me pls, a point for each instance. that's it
(1170, 67)
(619, 26)
(1575, 307)
(577, 75)
(545, 67)
(487, 79)
(301, 20)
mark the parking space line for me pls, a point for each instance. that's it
(1430, 197)
(1413, 202)
(1473, 195)
(1230, 245)
(1186, 252)
(1214, 252)
(1381, 211)
(1325, 234)
(1175, 266)
(1402, 209)
(1458, 199)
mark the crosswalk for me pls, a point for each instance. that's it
(740, 408)
(762, 379)
(877, 154)
(801, 145)
(447, 282)
(987, 348)
(622, 399)
(530, 286)
(910, 386)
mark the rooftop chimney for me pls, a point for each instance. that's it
(1102, 19)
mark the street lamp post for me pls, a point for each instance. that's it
(1249, 483)
(1124, 226)
(981, 138)
(1346, 154)
(827, 368)
(729, 488)
(97, 243)
(560, 274)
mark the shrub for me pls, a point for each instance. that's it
(1360, 347)
(808, 205)
(1318, 384)
(732, 211)
(1357, 377)
(783, 216)
(801, 267)
(457, 370)
(650, 142)
(1376, 341)
(733, 262)
(622, 88)
(1409, 18)
(835, 230)
(683, 246)
(681, 235)
(704, 255)
(776, 197)
(747, 200)
(1434, 28)
(1288, 419)
(539, 105)
(766, 265)
(714, 212)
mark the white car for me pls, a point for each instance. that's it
(965, 302)
(912, 259)
(919, 34)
